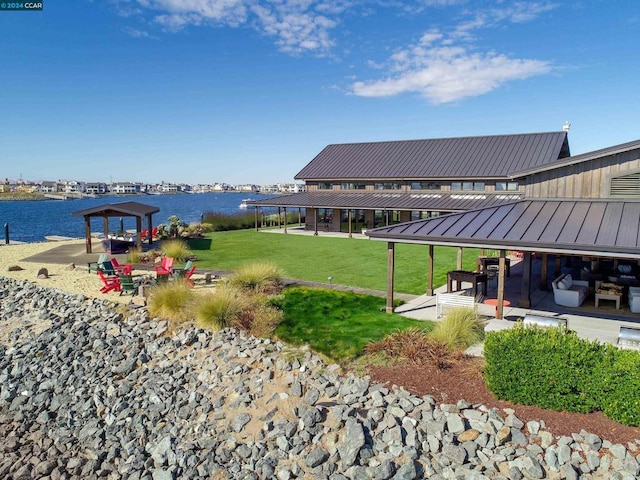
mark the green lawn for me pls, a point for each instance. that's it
(337, 324)
(352, 262)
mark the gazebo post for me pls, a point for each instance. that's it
(105, 224)
(150, 229)
(315, 223)
(87, 233)
(350, 233)
(430, 271)
(390, 275)
(138, 236)
(299, 217)
(459, 262)
(255, 216)
(285, 219)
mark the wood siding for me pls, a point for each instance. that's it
(590, 179)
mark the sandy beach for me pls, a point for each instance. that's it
(61, 276)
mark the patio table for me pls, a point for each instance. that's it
(460, 276)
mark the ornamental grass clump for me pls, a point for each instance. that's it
(262, 277)
(414, 345)
(461, 328)
(176, 249)
(171, 301)
(220, 309)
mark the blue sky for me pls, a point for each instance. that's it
(249, 91)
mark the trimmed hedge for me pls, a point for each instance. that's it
(552, 368)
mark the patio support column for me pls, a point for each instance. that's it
(255, 216)
(105, 224)
(430, 271)
(285, 219)
(558, 269)
(501, 268)
(315, 223)
(87, 232)
(544, 273)
(525, 291)
(350, 226)
(390, 272)
(459, 262)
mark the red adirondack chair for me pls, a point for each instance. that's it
(187, 276)
(111, 283)
(125, 269)
(165, 267)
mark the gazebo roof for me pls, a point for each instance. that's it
(130, 209)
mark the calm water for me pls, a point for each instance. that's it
(30, 221)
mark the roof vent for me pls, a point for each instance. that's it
(566, 127)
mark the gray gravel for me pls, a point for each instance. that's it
(90, 390)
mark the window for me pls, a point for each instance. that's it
(507, 186)
(353, 186)
(468, 186)
(387, 186)
(425, 185)
(325, 186)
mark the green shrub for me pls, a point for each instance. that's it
(171, 301)
(221, 308)
(548, 367)
(220, 222)
(620, 381)
(460, 328)
(263, 277)
(176, 249)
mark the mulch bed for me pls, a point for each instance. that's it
(464, 381)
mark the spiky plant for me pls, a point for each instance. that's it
(176, 249)
(262, 277)
(461, 328)
(221, 308)
(171, 301)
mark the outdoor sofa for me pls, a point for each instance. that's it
(569, 292)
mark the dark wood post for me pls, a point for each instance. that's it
(544, 272)
(525, 291)
(138, 236)
(390, 275)
(349, 216)
(255, 216)
(315, 223)
(279, 213)
(430, 271)
(150, 228)
(299, 216)
(105, 223)
(87, 233)
(501, 268)
(285, 219)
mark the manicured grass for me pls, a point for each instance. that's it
(352, 262)
(335, 323)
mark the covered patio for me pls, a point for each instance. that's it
(124, 209)
(557, 233)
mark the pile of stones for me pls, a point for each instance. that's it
(89, 389)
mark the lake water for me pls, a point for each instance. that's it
(30, 221)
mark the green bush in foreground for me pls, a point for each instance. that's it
(460, 328)
(221, 308)
(553, 368)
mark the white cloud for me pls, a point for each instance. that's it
(448, 67)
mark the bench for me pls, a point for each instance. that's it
(629, 337)
(544, 321)
(453, 300)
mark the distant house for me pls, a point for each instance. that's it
(49, 187)
(96, 188)
(126, 188)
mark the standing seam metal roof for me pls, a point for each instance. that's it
(443, 202)
(465, 157)
(602, 226)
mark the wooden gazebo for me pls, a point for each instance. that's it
(123, 209)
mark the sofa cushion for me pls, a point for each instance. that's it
(565, 282)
